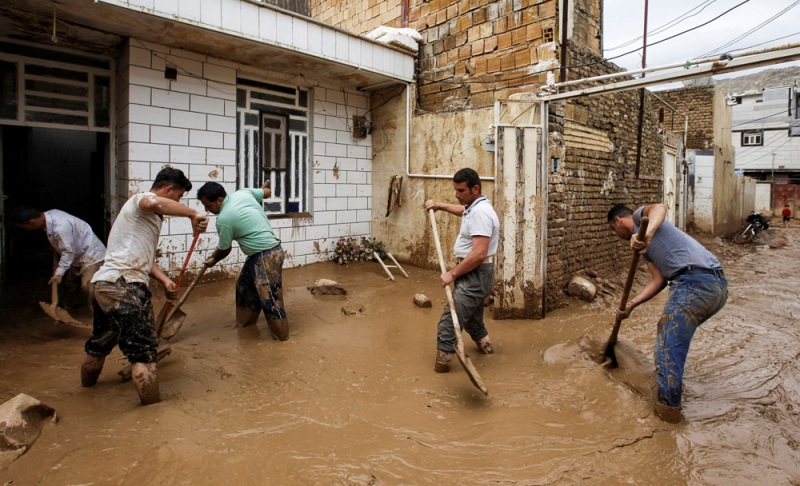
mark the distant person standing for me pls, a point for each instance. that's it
(78, 251)
(473, 275)
(787, 215)
(241, 217)
(123, 307)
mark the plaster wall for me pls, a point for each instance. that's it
(190, 124)
(704, 192)
(727, 191)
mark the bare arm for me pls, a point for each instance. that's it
(167, 207)
(651, 289)
(480, 248)
(169, 286)
(454, 209)
(657, 213)
(217, 256)
(266, 189)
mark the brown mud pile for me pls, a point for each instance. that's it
(352, 399)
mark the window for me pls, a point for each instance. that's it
(272, 131)
(752, 138)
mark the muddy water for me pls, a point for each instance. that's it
(354, 400)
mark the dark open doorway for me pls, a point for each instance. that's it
(49, 168)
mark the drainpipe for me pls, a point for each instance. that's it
(405, 14)
(564, 22)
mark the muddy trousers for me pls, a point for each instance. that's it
(76, 285)
(469, 296)
(123, 315)
(693, 299)
(260, 287)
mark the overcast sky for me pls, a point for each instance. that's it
(624, 19)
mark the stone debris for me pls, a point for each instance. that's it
(353, 310)
(582, 288)
(422, 300)
(324, 286)
(21, 422)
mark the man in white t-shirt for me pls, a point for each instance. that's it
(473, 275)
(123, 309)
(79, 251)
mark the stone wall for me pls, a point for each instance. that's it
(698, 103)
(595, 139)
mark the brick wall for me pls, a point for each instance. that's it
(698, 103)
(359, 16)
(190, 124)
(596, 140)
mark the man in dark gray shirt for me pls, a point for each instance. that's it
(698, 290)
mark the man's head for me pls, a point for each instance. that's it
(212, 195)
(467, 184)
(620, 218)
(171, 183)
(28, 218)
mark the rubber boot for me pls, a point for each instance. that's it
(279, 328)
(485, 345)
(443, 359)
(671, 415)
(90, 369)
(145, 379)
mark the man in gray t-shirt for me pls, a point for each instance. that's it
(473, 275)
(698, 290)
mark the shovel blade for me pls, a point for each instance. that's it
(60, 315)
(173, 324)
(474, 377)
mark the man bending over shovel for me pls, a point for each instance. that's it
(241, 217)
(698, 290)
(80, 252)
(123, 309)
(474, 271)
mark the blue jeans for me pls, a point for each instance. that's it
(693, 299)
(469, 295)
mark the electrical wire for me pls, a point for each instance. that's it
(671, 23)
(754, 29)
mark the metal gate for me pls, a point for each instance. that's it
(520, 201)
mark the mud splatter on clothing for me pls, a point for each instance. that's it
(123, 315)
(469, 294)
(260, 286)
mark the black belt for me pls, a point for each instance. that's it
(690, 270)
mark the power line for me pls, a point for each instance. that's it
(679, 33)
(754, 29)
(671, 23)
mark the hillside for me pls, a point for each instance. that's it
(764, 79)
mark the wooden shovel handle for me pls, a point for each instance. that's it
(627, 291)
(442, 266)
(186, 262)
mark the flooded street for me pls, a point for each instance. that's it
(354, 399)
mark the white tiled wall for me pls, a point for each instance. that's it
(190, 124)
(265, 24)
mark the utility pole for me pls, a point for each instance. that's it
(641, 97)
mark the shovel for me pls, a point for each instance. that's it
(609, 358)
(59, 314)
(174, 319)
(462, 357)
(162, 316)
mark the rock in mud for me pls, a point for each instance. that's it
(582, 288)
(422, 300)
(21, 422)
(324, 286)
(353, 310)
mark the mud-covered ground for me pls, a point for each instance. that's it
(354, 399)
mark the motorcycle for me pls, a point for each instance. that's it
(755, 224)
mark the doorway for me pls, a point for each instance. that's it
(49, 168)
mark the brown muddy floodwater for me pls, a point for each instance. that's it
(354, 399)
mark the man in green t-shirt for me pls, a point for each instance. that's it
(241, 217)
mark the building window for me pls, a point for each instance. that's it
(752, 138)
(272, 131)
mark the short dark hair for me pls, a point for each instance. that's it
(211, 191)
(620, 210)
(23, 214)
(172, 177)
(469, 176)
